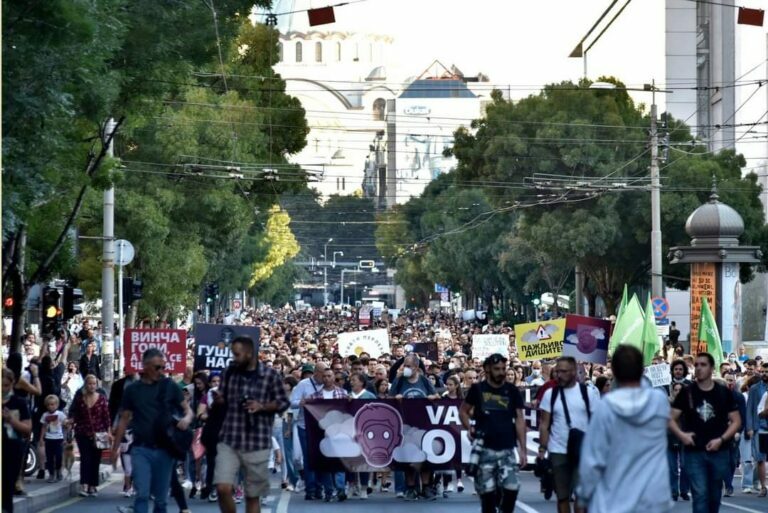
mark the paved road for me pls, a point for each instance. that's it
(284, 502)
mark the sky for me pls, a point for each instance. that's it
(526, 43)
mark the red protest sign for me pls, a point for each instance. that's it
(172, 343)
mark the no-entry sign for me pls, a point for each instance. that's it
(172, 343)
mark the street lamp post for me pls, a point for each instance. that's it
(342, 280)
(325, 271)
(657, 287)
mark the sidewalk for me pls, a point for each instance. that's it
(42, 495)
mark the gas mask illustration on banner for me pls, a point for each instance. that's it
(379, 431)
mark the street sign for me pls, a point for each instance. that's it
(237, 305)
(660, 307)
(123, 252)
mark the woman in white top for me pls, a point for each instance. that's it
(71, 382)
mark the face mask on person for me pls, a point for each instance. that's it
(407, 372)
(7, 395)
(536, 372)
(451, 366)
(732, 358)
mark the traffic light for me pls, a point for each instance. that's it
(215, 290)
(51, 310)
(73, 298)
(133, 289)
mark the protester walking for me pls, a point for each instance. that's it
(17, 427)
(565, 413)
(253, 393)
(147, 404)
(705, 418)
(754, 424)
(332, 482)
(307, 387)
(620, 477)
(497, 408)
(89, 415)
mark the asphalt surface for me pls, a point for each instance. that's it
(286, 502)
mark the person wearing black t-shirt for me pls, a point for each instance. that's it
(705, 417)
(497, 409)
(17, 426)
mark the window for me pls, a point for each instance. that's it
(318, 52)
(279, 52)
(338, 52)
(343, 184)
(298, 52)
(379, 106)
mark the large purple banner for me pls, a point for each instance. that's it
(364, 436)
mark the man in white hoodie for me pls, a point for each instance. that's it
(623, 466)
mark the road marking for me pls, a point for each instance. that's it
(282, 504)
(523, 506)
(740, 508)
(114, 478)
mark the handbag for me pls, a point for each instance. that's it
(175, 441)
(100, 438)
(198, 449)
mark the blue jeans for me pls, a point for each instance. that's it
(677, 476)
(707, 471)
(747, 464)
(399, 481)
(151, 475)
(290, 469)
(310, 478)
(332, 482)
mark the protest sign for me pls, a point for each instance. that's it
(426, 349)
(659, 375)
(540, 340)
(172, 343)
(377, 435)
(373, 342)
(213, 343)
(484, 346)
(586, 338)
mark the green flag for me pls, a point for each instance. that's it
(650, 335)
(629, 327)
(709, 335)
(623, 303)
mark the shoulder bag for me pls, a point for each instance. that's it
(100, 438)
(175, 441)
(575, 436)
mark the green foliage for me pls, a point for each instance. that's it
(481, 231)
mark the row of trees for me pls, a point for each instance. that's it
(486, 231)
(200, 114)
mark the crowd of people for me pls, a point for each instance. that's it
(248, 422)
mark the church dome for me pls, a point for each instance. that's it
(377, 73)
(714, 224)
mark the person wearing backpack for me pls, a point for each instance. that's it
(565, 413)
(705, 417)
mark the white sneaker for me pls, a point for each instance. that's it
(363, 494)
(400, 495)
(747, 490)
(450, 488)
(187, 484)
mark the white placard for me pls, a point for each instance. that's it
(659, 375)
(484, 346)
(373, 342)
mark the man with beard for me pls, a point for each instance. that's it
(252, 393)
(497, 408)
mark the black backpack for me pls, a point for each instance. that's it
(575, 436)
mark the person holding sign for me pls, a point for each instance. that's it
(497, 409)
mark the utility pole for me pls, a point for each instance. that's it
(656, 282)
(108, 273)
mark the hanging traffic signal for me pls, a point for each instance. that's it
(72, 303)
(137, 290)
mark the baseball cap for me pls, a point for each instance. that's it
(307, 367)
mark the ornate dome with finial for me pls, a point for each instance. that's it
(714, 223)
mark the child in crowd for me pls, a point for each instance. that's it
(52, 432)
